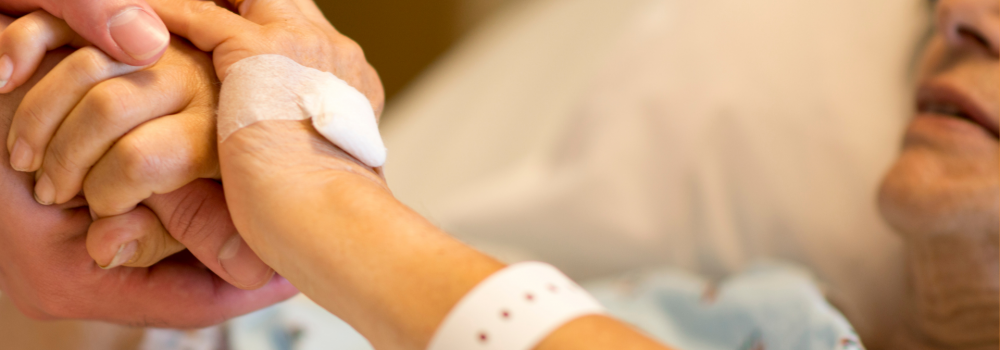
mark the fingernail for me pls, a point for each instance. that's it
(21, 156)
(242, 265)
(125, 254)
(140, 35)
(6, 70)
(45, 191)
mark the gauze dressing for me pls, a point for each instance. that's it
(274, 87)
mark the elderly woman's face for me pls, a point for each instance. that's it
(946, 179)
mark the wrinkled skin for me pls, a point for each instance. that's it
(943, 193)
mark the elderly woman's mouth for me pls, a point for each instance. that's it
(942, 99)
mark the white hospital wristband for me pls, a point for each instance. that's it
(514, 309)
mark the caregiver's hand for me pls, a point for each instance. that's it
(124, 134)
(127, 30)
(46, 271)
(292, 28)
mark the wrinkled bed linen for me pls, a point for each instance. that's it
(770, 306)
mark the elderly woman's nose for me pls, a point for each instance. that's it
(970, 23)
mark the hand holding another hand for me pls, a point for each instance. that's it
(270, 157)
(144, 149)
(92, 113)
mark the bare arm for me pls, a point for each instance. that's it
(321, 218)
(331, 227)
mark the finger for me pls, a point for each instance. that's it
(269, 11)
(158, 157)
(198, 217)
(24, 43)
(43, 108)
(133, 239)
(190, 296)
(176, 293)
(203, 23)
(109, 111)
(5, 21)
(128, 30)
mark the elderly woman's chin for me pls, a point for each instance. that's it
(938, 186)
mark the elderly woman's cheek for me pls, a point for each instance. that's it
(932, 58)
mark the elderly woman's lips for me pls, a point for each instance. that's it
(942, 98)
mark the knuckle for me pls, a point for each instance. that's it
(30, 117)
(187, 224)
(202, 7)
(90, 63)
(137, 163)
(351, 50)
(22, 32)
(61, 159)
(108, 102)
(348, 51)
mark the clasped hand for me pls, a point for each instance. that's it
(132, 149)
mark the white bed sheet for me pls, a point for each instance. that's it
(611, 135)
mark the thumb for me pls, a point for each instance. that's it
(193, 217)
(134, 239)
(197, 216)
(127, 30)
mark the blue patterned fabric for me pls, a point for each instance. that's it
(769, 306)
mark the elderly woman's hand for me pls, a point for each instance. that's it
(295, 29)
(292, 28)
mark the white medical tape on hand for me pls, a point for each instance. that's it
(274, 87)
(514, 309)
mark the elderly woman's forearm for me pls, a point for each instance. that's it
(341, 237)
